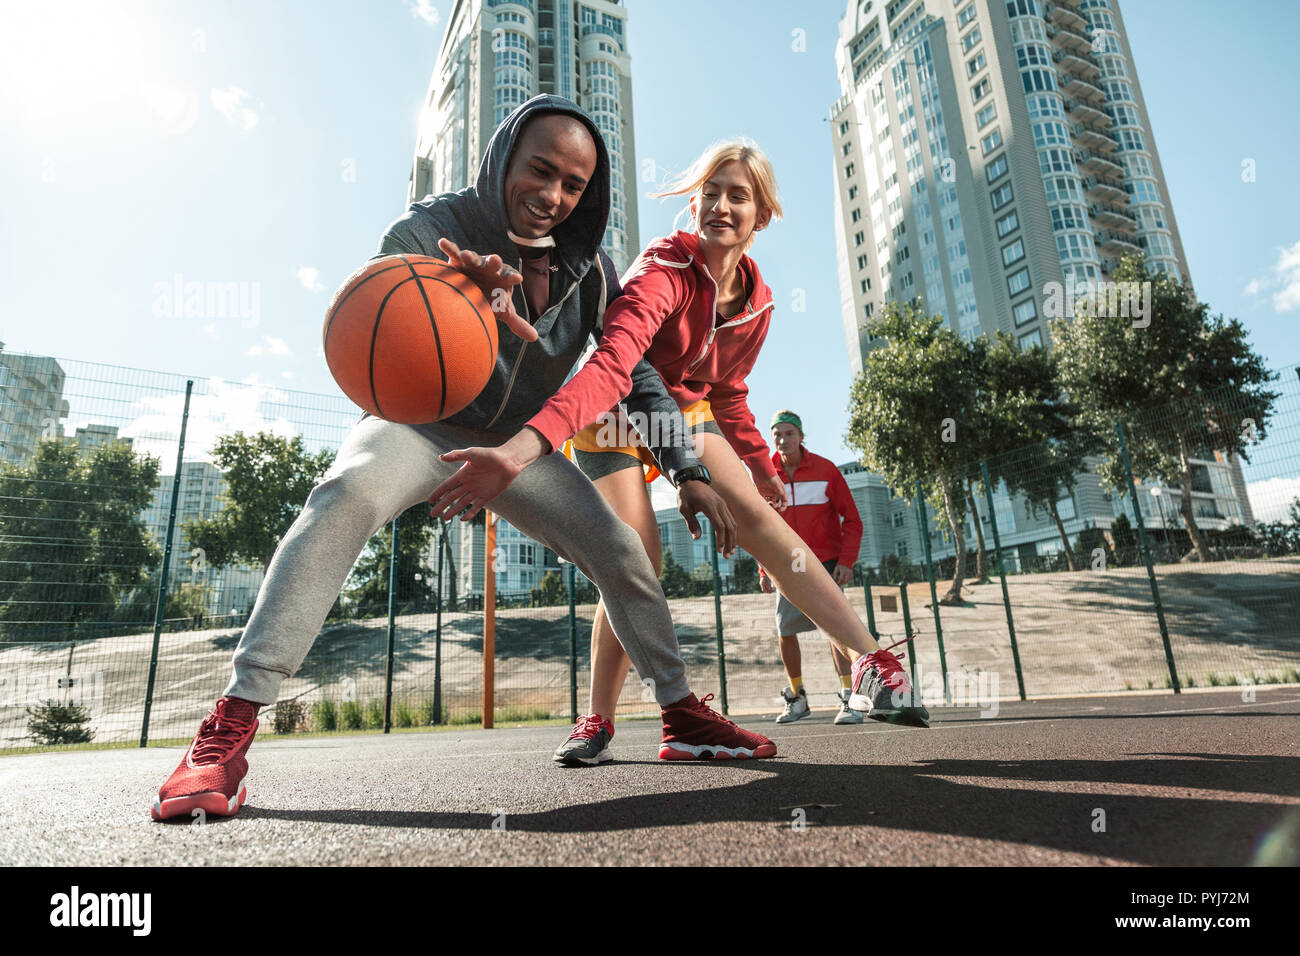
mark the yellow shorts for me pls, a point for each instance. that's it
(601, 438)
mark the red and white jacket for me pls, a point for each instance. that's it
(820, 509)
(667, 314)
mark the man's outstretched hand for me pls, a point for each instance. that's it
(695, 497)
(486, 473)
(495, 279)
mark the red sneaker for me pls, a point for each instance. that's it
(694, 732)
(212, 773)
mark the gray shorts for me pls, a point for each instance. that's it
(789, 619)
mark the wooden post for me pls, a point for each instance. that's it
(489, 617)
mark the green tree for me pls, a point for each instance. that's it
(1122, 533)
(702, 580)
(745, 573)
(908, 413)
(673, 577)
(55, 723)
(1036, 428)
(268, 478)
(554, 590)
(368, 583)
(1187, 384)
(72, 542)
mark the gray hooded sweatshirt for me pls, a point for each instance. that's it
(528, 373)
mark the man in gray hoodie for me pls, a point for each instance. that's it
(538, 212)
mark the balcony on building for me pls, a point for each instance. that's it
(1093, 139)
(1076, 65)
(1082, 88)
(1113, 217)
(1115, 243)
(1097, 164)
(1102, 189)
(1087, 115)
(1069, 39)
(1062, 15)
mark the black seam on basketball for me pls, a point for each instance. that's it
(329, 320)
(374, 337)
(451, 285)
(437, 339)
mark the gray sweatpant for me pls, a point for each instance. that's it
(383, 469)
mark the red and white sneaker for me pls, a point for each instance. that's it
(694, 732)
(211, 775)
(882, 690)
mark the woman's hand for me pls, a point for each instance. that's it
(486, 473)
(495, 279)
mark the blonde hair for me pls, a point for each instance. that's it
(744, 151)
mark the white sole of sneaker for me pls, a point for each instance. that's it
(680, 751)
(843, 719)
(571, 761)
(200, 805)
(793, 717)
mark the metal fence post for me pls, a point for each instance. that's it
(437, 629)
(871, 612)
(1146, 556)
(392, 629)
(907, 632)
(1002, 575)
(934, 596)
(717, 616)
(573, 643)
(161, 605)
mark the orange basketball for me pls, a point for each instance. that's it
(410, 339)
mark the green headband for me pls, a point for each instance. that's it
(789, 417)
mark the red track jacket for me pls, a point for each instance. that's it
(667, 314)
(817, 497)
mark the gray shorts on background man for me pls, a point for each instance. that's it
(791, 620)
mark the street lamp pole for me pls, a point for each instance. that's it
(1156, 494)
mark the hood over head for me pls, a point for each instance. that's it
(577, 238)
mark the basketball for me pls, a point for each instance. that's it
(410, 339)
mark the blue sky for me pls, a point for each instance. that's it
(269, 144)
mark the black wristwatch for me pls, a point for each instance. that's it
(694, 473)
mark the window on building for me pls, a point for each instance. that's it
(1018, 282)
(986, 115)
(848, 171)
(981, 90)
(1013, 252)
(859, 238)
(965, 16)
(862, 262)
(969, 40)
(1028, 341)
(996, 169)
(991, 142)
(1001, 196)
(846, 148)
(1025, 312)
(853, 192)
(844, 127)
(855, 215)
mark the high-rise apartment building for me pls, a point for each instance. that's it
(32, 405)
(990, 154)
(497, 54)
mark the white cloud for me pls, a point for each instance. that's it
(270, 345)
(309, 276)
(1271, 499)
(238, 106)
(1282, 280)
(177, 110)
(425, 10)
(218, 409)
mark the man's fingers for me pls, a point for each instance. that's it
(692, 525)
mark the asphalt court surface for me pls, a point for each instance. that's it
(1198, 779)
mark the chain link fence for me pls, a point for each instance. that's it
(113, 631)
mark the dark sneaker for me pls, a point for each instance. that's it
(210, 778)
(694, 732)
(882, 690)
(588, 744)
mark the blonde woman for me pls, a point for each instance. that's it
(695, 306)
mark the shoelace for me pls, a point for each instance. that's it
(588, 726)
(217, 734)
(702, 708)
(888, 665)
